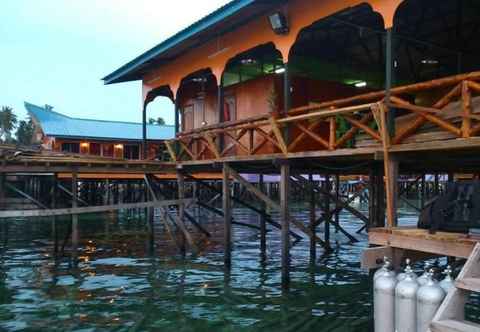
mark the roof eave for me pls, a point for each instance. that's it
(220, 14)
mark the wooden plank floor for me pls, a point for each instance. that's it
(410, 238)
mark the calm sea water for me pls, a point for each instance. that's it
(120, 286)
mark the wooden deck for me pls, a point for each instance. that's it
(410, 238)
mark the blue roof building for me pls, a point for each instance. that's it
(59, 125)
(119, 139)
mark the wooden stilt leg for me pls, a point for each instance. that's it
(227, 215)
(391, 168)
(54, 219)
(337, 195)
(326, 210)
(285, 220)
(181, 210)
(263, 223)
(313, 218)
(74, 219)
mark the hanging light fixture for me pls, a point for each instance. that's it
(278, 22)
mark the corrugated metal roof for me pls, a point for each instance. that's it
(123, 73)
(59, 125)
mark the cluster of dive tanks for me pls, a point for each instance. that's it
(405, 302)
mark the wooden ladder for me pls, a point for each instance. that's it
(451, 314)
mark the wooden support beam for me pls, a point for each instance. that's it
(25, 195)
(285, 220)
(75, 232)
(263, 222)
(390, 165)
(341, 205)
(227, 216)
(278, 135)
(326, 209)
(54, 194)
(313, 136)
(270, 203)
(333, 133)
(241, 202)
(312, 219)
(69, 193)
(181, 216)
(88, 209)
(171, 150)
(466, 110)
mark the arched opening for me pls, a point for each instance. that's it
(252, 88)
(336, 57)
(434, 39)
(197, 101)
(248, 76)
(159, 116)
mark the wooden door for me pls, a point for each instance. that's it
(230, 114)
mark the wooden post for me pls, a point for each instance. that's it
(221, 117)
(285, 221)
(181, 209)
(389, 79)
(144, 131)
(313, 219)
(337, 196)
(287, 101)
(54, 219)
(423, 192)
(227, 216)
(150, 214)
(326, 210)
(263, 222)
(177, 115)
(391, 186)
(2, 191)
(74, 218)
(466, 110)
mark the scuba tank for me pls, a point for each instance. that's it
(422, 280)
(384, 302)
(429, 298)
(447, 282)
(406, 302)
(387, 265)
(402, 275)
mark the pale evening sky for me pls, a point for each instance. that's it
(56, 52)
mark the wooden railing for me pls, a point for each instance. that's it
(316, 127)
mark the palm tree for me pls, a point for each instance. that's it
(8, 120)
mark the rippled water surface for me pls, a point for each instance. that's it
(120, 286)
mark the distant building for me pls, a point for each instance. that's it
(115, 139)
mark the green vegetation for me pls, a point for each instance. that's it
(159, 121)
(9, 122)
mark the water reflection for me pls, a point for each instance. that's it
(119, 286)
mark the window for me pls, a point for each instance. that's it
(108, 150)
(131, 152)
(71, 147)
(95, 149)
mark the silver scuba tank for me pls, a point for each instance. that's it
(448, 282)
(402, 275)
(406, 302)
(422, 280)
(387, 264)
(384, 302)
(429, 298)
